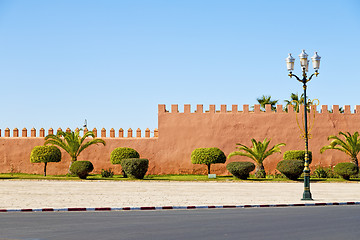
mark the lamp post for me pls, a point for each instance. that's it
(304, 62)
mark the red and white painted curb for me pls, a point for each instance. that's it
(174, 207)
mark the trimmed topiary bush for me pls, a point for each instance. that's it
(297, 155)
(346, 170)
(120, 153)
(135, 167)
(81, 168)
(240, 169)
(45, 154)
(208, 156)
(292, 169)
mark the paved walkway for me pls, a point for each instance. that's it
(20, 194)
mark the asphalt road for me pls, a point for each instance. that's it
(330, 222)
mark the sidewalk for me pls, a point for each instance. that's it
(24, 194)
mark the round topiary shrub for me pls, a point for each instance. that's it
(240, 169)
(292, 169)
(135, 167)
(297, 155)
(121, 153)
(81, 168)
(45, 154)
(345, 170)
(208, 156)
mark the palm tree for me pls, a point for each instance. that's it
(341, 110)
(296, 101)
(267, 100)
(258, 152)
(72, 142)
(351, 145)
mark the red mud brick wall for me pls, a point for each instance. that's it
(180, 132)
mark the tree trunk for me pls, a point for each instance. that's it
(45, 169)
(354, 160)
(73, 159)
(124, 174)
(260, 171)
(208, 165)
(71, 162)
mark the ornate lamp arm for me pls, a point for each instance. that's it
(304, 80)
(293, 75)
(316, 73)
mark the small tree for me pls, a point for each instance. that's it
(72, 142)
(350, 145)
(45, 154)
(121, 153)
(258, 152)
(295, 101)
(267, 100)
(208, 156)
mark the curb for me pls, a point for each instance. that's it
(174, 207)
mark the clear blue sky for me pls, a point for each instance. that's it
(113, 61)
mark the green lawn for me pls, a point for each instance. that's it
(194, 178)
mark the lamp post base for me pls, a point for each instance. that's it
(307, 196)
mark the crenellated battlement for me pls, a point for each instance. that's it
(323, 109)
(103, 133)
(184, 128)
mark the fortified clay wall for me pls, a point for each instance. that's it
(179, 133)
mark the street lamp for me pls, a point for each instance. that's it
(304, 62)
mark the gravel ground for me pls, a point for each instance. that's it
(65, 194)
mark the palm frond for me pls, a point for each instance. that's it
(59, 144)
(86, 135)
(72, 142)
(91, 142)
(237, 153)
(350, 145)
(274, 149)
(258, 152)
(248, 150)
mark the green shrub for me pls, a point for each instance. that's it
(135, 167)
(297, 155)
(292, 169)
(208, 156)
(277, 174)
(240, 169)
(260, 173)
(331, 173)
(321, 172)
(81, 168)
(345, 170)
(121, 153)
(45, 154)
(107, 173)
